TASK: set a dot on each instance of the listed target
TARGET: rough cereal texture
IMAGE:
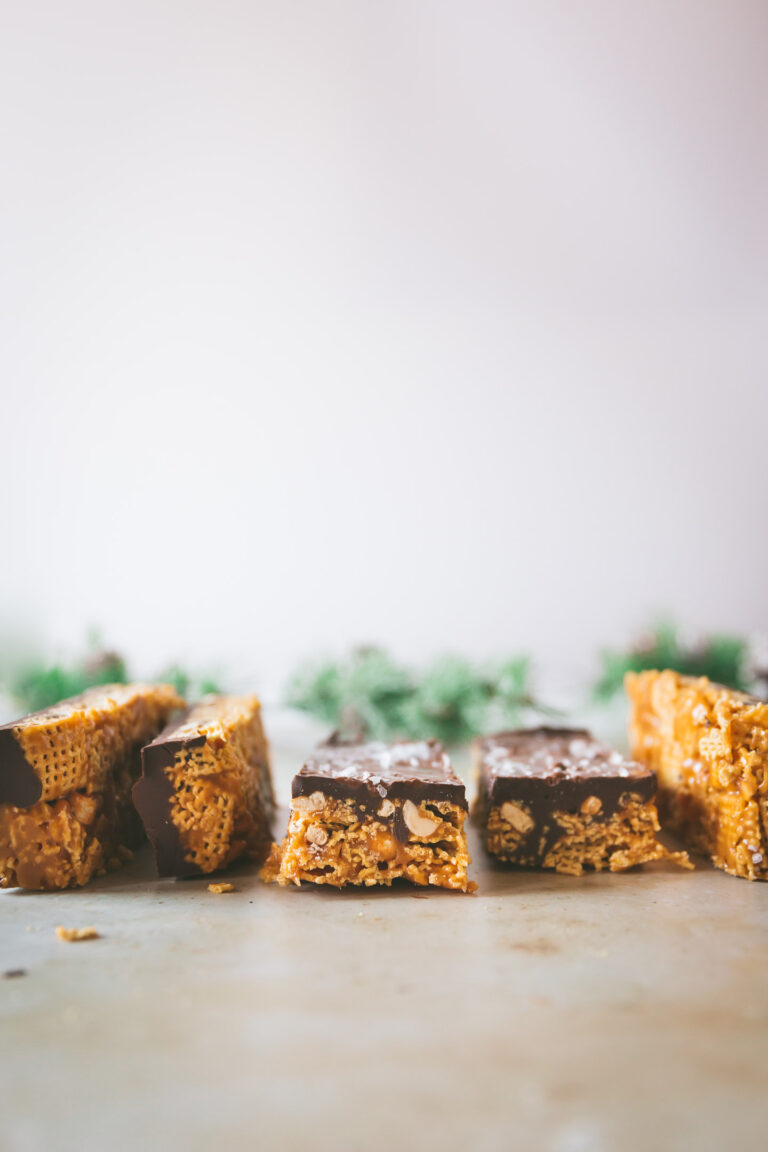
(374, 813)
(65, 781)
(205, 795)
(709, 748)
(557, 798)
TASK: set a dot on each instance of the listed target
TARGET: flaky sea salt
(578, 748)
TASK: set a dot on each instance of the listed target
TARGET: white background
(436, 324)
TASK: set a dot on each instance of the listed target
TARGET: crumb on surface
(12, 973)
(71, 934)
(226, 886)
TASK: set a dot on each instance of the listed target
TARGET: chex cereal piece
(205, 795)
(65, 784)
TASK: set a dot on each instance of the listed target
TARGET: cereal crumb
(76, 933)
(219, 888)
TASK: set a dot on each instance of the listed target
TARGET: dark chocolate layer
(153, 796)
(556, 769)
(19, 783)
(367, 774)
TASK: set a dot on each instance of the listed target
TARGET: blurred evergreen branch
(369, 696)
(723, 659)
(187, 685)
(37, 685)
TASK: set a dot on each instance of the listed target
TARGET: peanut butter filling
(329, 843)
(572, 842)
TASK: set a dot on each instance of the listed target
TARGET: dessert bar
(557, 798)
(709, 748)
(65, 784)
(373, 813)
(205, 795)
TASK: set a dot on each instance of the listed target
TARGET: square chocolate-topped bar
(558, 798)
(373, 813)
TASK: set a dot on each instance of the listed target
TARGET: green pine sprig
(369, 696)
(722, 659)
(38, 685)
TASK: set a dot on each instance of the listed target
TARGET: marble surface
(543, 1013)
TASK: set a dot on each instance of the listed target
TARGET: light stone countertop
(544, 1013)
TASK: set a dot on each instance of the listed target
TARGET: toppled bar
(557, 798)
(709, 748)
(374, 813)
(65, 784)
(205, 795)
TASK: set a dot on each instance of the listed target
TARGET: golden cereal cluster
(709, 748)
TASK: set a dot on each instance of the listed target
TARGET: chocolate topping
(153, 793)
(19, 783)
(555, 769)
(367, 774)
